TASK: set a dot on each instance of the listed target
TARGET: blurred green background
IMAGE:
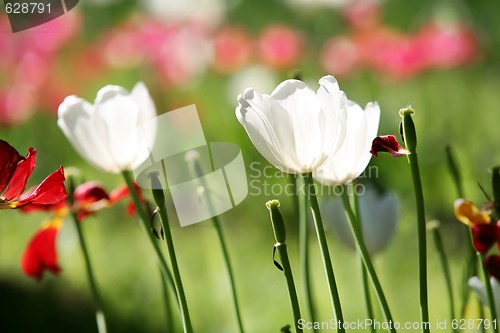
(457, 105)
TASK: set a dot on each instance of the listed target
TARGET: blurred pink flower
(280, 47)
(447, 45)
(122, 47)
(362, 14)
(391, 53)
(233, 49)
(177, 53)
(16, 105)
(27, 63)
(340, 56)
(184, 53)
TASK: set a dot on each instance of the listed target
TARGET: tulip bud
(157, 187)
(409, 132)
(277, 221)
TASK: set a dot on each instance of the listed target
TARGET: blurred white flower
(294, 128)
(327, 3)
(379, 216)
(261, 78)
(479, 288)
(354, 154)
(208, 12)
(107, 133)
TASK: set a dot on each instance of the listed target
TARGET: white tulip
(480, 290)
(354, 155)
(107, 133)
(294, 128)
(379, 216)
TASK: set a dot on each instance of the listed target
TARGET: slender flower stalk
(356, 230)
(280, 246)
(410, 138)
(304, 254)
(471, 262)
(169, 318)
(159, 198)
(443, 259)
(323, 246)
(165, 270)
(198, 173)
(367, 293)
(364, 273)
(489, 292)
(100, 318)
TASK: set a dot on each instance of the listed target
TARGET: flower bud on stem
(280, 246)
(410, 138)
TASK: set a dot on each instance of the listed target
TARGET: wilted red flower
(41, 254)
(89, 197)
(14, 175)
(493, 266)
(388, 144)
(484, 233)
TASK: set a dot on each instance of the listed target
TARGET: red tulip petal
(44, 208)
(50, 191)
(119, 193)
(9, 158)
(484, 236)
(19, 179)
(493, 266)
(41, 254)
(388, 144)
(123, 192)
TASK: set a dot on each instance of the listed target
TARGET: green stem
(304, 255)
(167, 275)
(356, 230)
(225, 254)
(364, 273)
(489, 293)
(471, 268)
(446, 271)
(198, 173)
(100, 319)
(323, 246)
(168, 305)
(186, 321)
(367, 293)
(287, 270)
(422, 240)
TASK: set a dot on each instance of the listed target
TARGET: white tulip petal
(141, 95)
(267, 130)
(120, 115)
(295, 128)
(354, 154)
(479, 288)
(107, 134)
(305, 113)
(75, 118)
(109, 92)
(332, 98)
